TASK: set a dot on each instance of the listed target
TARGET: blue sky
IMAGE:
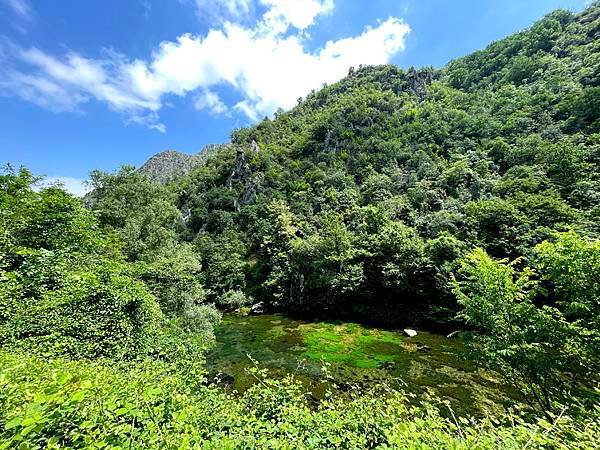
(90, 84)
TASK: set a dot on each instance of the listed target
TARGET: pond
(348, 356)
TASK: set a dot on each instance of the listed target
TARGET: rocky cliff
(170, 164)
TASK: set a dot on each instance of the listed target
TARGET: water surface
(352, 356)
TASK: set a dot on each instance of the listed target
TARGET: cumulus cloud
(63, 85)
(210, 101)
(42, 91)
(265, 65)
(298, 13)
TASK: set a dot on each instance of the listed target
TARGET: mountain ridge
(169, 165)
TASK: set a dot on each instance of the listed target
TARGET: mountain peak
(171, 164)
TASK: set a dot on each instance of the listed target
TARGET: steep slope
(169, 165)
(364, 195)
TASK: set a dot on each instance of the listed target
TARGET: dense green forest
(463, 198)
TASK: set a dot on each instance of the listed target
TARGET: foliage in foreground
(60, 404)
(64, 288)
(537, 327)
(67, 289)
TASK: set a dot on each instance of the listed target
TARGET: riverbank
(146, 404)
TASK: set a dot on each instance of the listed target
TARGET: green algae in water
(354, 355)
(350, 344)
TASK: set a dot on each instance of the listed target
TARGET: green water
(351, 356)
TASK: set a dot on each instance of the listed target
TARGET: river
(339, 356)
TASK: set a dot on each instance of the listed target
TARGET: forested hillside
(363, 196)
(464, 198)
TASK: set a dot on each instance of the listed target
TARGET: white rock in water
(409, 332)
(258, 308)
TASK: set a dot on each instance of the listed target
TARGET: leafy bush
(85, 312)
(543, 340)
(200, 319)
(60, 293)
(173, 276)
(232, 300)
(59, 404)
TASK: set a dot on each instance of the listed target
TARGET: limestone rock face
(242, 175)
(169, 165)
(241, 171)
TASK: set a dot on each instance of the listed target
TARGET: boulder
(258, 308)
(409, 332)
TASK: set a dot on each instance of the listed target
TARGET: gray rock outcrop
(169, 165)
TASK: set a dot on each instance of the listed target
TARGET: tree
(224, 267)
(64, 288)
(326, 265)
(142, 213)
(277, 232)
(536, 348)
(570, 271)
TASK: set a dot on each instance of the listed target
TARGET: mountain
(364, 197)
(464, 199)
(169, 165)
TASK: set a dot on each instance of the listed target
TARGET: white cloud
(265, 65)
(20, 7)
(298, 13)
(63, 85)
(221, 9)
(273, 72)
(147, 8)
(279, 15)
(42, 91)
(210, 100)
(75, 186)
(246, 108)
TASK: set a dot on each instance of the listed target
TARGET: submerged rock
(423, 348)
(388, 365)
(243, 311)
(225, 379)
(219, 379)
(409, 332)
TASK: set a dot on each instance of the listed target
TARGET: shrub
(86, 311)
(62, 404)
(64, 289)
(542, 338)
(232, 300)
